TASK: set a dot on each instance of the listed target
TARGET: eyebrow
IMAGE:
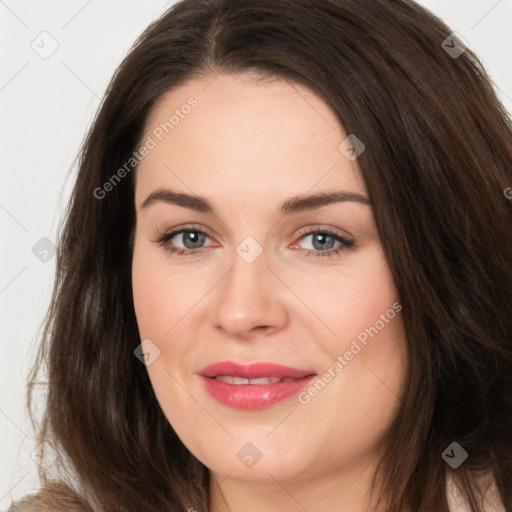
(289, 206)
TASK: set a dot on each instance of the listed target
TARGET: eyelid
(344, 244)
(314, 228)
(169, 233)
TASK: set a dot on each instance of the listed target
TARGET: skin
(247, 146)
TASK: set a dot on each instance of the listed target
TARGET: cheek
(367, 349)
(161, 294)
(159, 302)
(346, 301)
(150, 300)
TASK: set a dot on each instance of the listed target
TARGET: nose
(250, 299)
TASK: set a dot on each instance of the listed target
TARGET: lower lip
(253, 396)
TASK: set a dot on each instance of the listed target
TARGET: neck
(346, 489)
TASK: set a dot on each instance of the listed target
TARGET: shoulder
(35, 505)
(491, 501)
(28, 504)
(54, 497)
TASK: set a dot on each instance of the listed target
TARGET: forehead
(231, 135)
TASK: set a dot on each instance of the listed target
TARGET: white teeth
(265, 380)
(259, 381)
(225, 378)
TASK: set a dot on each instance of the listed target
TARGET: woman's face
(305, 286)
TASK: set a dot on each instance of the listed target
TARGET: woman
(284, 277)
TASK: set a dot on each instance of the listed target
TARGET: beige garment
(458, 503)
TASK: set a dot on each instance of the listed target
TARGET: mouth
(238, 381)
(253, 386)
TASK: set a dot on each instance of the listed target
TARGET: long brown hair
(437, 164)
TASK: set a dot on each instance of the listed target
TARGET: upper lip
(253, 370)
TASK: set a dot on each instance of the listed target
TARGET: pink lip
(253, 396)
(253, 371)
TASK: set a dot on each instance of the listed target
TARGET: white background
(47, 105)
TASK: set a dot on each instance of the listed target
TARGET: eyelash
(345, 243)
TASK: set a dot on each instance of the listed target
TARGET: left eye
(191, 239)
(321, 241)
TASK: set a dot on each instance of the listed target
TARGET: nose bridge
(247, 298)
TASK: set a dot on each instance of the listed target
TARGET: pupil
(322, 239)
(191, 235)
